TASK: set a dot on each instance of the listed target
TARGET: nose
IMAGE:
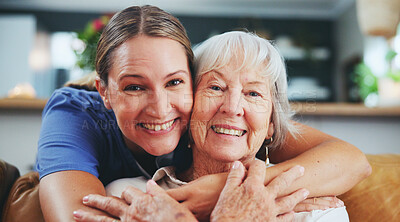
(233, 103)
(158, 105)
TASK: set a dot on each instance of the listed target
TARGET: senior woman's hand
(154, 205)
(251, 200)
(201, 195)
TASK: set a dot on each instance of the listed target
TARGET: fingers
(256, 172)
(288, 203)
(287, 217)
(179, 194)
(112, 205)
(131, 193)
(83, 216)
(235, 176)
(285, 179)
(153, 189)
(318, 203)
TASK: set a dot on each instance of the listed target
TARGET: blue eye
(133, 88)
(254, 94)
(216, 88)
(174, 82)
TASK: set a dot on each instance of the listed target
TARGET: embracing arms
(332, 166)
(61, 194)
(242, 199)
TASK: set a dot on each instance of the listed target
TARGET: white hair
(255, 52)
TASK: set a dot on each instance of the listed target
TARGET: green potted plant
(90, 36)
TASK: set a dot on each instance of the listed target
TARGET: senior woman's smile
(232, 112)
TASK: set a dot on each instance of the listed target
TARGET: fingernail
(236, 165)
(306, 193)
(341, 203)
(301, 169)
(152, 182)
(77, 214)
(85, 199)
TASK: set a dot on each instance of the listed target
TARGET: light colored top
(166, 178)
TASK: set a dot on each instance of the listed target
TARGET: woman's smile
(159, 128)
(228, 130)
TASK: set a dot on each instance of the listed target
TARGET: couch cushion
(23, 201)
(8, 175)
(376, 198)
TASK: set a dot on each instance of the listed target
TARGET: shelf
(22, 104)
(343, 109)
(301, 108)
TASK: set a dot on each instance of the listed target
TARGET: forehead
(236, 69)
(147, 55)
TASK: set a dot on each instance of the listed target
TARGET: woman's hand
(154, 205)
(318, 203)
(200, 196)
(250, 199)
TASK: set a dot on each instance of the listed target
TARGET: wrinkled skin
(201, 195)
(154, 205)
(251, 200)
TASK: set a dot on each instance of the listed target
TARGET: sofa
(376, 198)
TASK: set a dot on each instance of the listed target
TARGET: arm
(61, 193)
(332, 166)
(69, 140)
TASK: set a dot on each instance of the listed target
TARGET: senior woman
(240, 102)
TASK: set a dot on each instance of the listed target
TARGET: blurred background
(341, 56)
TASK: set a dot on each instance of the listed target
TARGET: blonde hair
(255, 52)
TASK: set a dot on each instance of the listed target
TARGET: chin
(161, 148)
(226, 157)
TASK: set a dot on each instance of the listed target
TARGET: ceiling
(310, 9)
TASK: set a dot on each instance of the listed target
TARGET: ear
(102, 89)
(271, 130)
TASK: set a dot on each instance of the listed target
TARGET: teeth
(158, 127)
(227, 131)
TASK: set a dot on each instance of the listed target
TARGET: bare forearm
(61, 193)
(331, 168)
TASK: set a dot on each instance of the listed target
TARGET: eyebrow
(220, 74)
(256, 82)
(141, 77)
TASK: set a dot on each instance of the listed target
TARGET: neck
(146, 160)
(203, 165)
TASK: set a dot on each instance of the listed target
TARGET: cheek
(258, 124)
(201, 115)
(198, 129)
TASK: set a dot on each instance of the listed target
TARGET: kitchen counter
(301, 108)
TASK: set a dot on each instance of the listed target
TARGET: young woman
(135, 121)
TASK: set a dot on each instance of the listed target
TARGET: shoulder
(67, 97)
